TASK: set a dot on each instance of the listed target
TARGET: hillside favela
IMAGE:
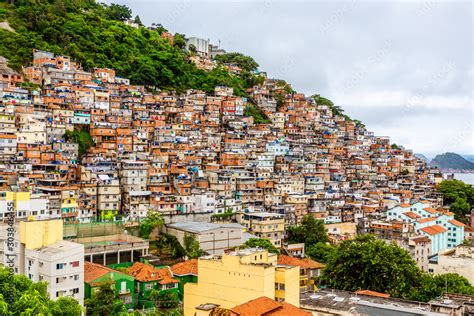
(150, 172)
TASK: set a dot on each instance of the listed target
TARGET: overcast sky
(404, 68)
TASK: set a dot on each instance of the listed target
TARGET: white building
(41, 255)
(213, 238)
(202, 45)
(459, 260)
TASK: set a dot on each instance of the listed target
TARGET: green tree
(244, 62)
(118, 12)
(321, 252)
(310, 231)
(153, 220)
(80, 137)
(258, 116)
(460, 207)
(371, 264)
(30, 298)
(459, 196)
(164, 299)
(261, 243)
(105, 301)
(65, 306)
(191, 246)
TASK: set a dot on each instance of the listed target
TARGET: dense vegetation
(258, 116)
(260, 243)
(310, 231)
(459, 196)
(80, 137)
(368, 263)
(94, 34)
(29, 298)
(246, 63)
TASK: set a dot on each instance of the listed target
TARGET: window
(75, 264)
(59, 266)
(75, 291)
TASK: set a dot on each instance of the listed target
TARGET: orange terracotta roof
(302, 263)
(411, 215)
(93, 271)
(372, 293)
(426, 220)
(146, 273)
(433, 230)
(430, 210)
(266, 306)
(186, 267)
(456, 223)
(449, 214)
(405, 205)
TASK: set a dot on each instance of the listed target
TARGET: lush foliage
(31, 298)
(261, 243)
(258, 116)
(168, 247)
(164, 299)
(191, 246)
(310, 231)
(105, 301)
(80, 137)
(321, 251)
(227, 215)
(93, 34)
(368, 263)
(459, 196)
(244, 62)
(153, 220)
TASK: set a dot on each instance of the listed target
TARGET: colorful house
(148, 278)
(185, 272)
(97, 274)
(309, 271)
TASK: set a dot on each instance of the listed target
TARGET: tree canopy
(153, 220)
(191, 247)
(31, 298)
(244, 62)
(94, 34)
(105, 301)
(370, 264)
(459, 196)
(261, 243)
(310, 231)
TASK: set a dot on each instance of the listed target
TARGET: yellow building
(38, 234)
(238, 277)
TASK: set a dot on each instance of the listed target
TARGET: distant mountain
(421, 156)
(451, 161)
(469, 157)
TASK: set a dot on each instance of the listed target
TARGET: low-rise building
(238, 277)
(213, 238)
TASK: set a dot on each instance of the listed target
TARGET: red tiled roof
(146, 273)
(430, 210)
(302, 263)
(93, 271)
(405, 205)
(426, 220)
(266, 306)
(372, 293)
(456, 223)
(433, 230)
(411, 215)
(185, 268)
